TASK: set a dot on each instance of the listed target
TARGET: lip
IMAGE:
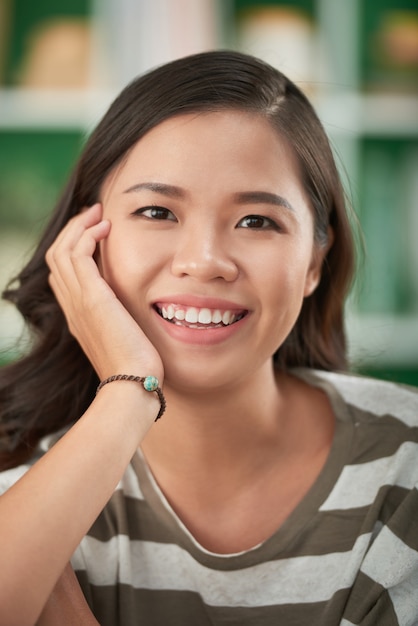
(200, 336)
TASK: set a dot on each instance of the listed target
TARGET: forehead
(229, 146)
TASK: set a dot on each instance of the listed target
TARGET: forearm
(45, 515)
(67, 605)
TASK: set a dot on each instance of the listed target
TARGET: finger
(82, 258)
(61, 295)
(88, 240)
(73, 230)
(87, 218)
(75, 278)
(76, 240)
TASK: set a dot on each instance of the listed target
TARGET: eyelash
(156, 209)
(269, 224)
(160, 213)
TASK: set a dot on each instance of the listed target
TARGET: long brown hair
(54, 383)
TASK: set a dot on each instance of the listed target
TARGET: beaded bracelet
(150, 383)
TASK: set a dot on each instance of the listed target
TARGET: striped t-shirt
(348, 554)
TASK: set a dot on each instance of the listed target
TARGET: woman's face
(211, 247)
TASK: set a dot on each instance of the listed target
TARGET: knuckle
(73, 220)
(75, 256)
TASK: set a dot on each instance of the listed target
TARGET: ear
(313, 276)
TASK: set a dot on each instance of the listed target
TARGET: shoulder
(374, 396)
(376, 438)
(379, 449)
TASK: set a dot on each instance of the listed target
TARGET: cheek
(129, 264)
(285, 272)
(119, 261)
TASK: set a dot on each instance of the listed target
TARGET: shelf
(356, 115)
(350, 114)
(31, 109)
(389, 115)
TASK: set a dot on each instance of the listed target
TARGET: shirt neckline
(280, 543)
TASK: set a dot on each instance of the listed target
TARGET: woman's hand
(107, 333)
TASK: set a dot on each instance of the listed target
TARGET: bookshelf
(351, 59)
(364, 84)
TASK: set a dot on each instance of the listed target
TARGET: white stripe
(377, 396)
(405, 600)
(389, 560)
(345, 622)
(394, 565)
(129, 484)
(168, 567)
(358, 485)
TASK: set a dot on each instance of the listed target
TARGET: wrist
(149, 383)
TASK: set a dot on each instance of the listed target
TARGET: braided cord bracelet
(150, 383)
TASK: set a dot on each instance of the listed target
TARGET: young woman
(203, 240)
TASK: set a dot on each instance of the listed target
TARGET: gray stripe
(378, 437)
(328, 531)
(133, 518)
(404, 522)
(370, 604)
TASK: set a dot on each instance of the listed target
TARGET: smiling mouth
(199, 318)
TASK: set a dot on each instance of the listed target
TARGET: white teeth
(180, 315)
(226, 317)
(205, 316)
(216, 317)
(168, 312)
(193, 315)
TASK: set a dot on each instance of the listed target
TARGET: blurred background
(62, 63)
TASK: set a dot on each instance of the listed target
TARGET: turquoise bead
(151, 383)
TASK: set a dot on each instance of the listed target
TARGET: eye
(258, 222)
(156, 213)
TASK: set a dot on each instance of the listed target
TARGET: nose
(204, 255)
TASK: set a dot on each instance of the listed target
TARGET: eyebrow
(243, 197)
(263, 197)
(167, 190)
